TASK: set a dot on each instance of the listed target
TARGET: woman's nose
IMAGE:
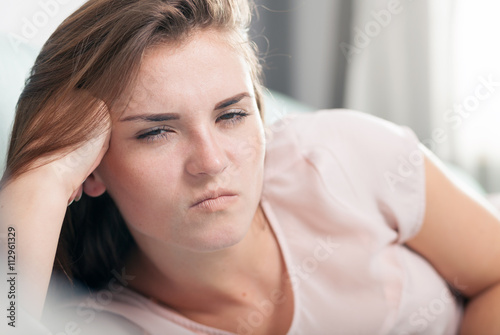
(206, 155)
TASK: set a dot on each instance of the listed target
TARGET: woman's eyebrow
(174, 116)
(231, 101)
(152, 117)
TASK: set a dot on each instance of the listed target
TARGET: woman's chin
(217, 241)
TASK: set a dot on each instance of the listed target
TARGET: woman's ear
(93, 185)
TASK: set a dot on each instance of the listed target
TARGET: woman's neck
(188, 281)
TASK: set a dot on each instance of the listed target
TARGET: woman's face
(185, 161)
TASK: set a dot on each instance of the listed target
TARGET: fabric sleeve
(382, 161)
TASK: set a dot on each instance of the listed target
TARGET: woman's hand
(72, 168)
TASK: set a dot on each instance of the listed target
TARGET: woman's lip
(216, 204)
(212, 194)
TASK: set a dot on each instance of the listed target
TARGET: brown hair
(98, 49)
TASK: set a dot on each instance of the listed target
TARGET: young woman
(188, 216)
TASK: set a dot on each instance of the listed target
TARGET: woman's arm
(34, 205)
(460, 237)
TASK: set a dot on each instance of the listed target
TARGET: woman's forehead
(204, 67)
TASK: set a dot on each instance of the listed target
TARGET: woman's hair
(98, 50)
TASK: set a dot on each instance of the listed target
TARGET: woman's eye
(154, 134)
(232, 117)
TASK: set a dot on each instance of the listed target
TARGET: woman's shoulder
(361, 161)
(351, 137)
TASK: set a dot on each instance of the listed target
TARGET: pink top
(342, 191)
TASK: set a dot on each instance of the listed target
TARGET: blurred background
(431, 65)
